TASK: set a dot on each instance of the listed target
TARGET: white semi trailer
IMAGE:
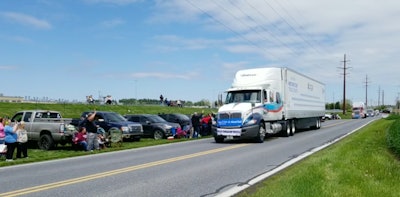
(265, 101)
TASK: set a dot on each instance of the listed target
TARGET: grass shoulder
(360, 165)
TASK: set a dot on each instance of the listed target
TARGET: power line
(302, 28)
(261, 26)
(227, 27)
(287, 23)
(267, 30)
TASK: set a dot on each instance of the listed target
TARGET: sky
(190, 49)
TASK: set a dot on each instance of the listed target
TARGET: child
(22, 139)
(103, 141)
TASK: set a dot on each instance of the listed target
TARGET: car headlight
(167, 126)
(125, 129)
(214, 123)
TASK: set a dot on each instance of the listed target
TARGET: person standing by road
(2, 134)
(196, 124)
(10, 140)
(91, 128)
(22, 140)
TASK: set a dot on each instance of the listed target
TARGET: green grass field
(74, 111)
(360, 165)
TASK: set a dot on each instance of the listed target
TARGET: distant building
(11, 99)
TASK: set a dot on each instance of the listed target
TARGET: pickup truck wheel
(158, 135)
(261, 134)
(46, 142)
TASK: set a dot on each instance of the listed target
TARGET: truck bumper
(131, 136)
(236, 133)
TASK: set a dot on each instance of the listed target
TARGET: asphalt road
(192, 168)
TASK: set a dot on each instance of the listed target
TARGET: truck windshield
(156, 118)
(114, 117)
(244, 96)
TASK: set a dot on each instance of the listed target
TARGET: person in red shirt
(206, 125)
(80, 138)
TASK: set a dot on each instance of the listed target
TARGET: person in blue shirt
(10, 140)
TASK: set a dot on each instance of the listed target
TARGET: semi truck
(358, 110)
(266, 101)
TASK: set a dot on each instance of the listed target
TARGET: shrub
(393, 135)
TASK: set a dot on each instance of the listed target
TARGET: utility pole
(344, 83)
(379, 96)
(366, 91)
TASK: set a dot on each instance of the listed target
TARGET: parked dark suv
(111, 120)
(154, 126)
(181, 119)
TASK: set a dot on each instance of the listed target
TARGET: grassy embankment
(74, 111)
(360, 165)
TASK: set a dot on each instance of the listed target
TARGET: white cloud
(163, 75)
(116, 2)
(8, 67)
(26, 20)
(112, 23)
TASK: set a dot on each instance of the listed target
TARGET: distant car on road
(370, 113)
(328, 116)
(154, 126)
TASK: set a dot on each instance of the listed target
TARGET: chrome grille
(135, 128)
(230, 115)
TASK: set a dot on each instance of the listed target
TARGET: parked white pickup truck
(46, 127)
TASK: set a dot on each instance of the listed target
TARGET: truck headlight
(249, 121)
(124, 129)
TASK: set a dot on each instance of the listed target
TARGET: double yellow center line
(114, 172)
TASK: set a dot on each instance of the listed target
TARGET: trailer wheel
(293, 127)
(261, 134)
(46, 142)
(318, 123)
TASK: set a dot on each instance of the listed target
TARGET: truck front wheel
(46, 142)
(219, 139)
(261, 134)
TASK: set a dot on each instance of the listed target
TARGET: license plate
(229, 132)
(229, 137)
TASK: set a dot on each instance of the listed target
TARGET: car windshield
(114, 117)
(182, 116)
(156, 119)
